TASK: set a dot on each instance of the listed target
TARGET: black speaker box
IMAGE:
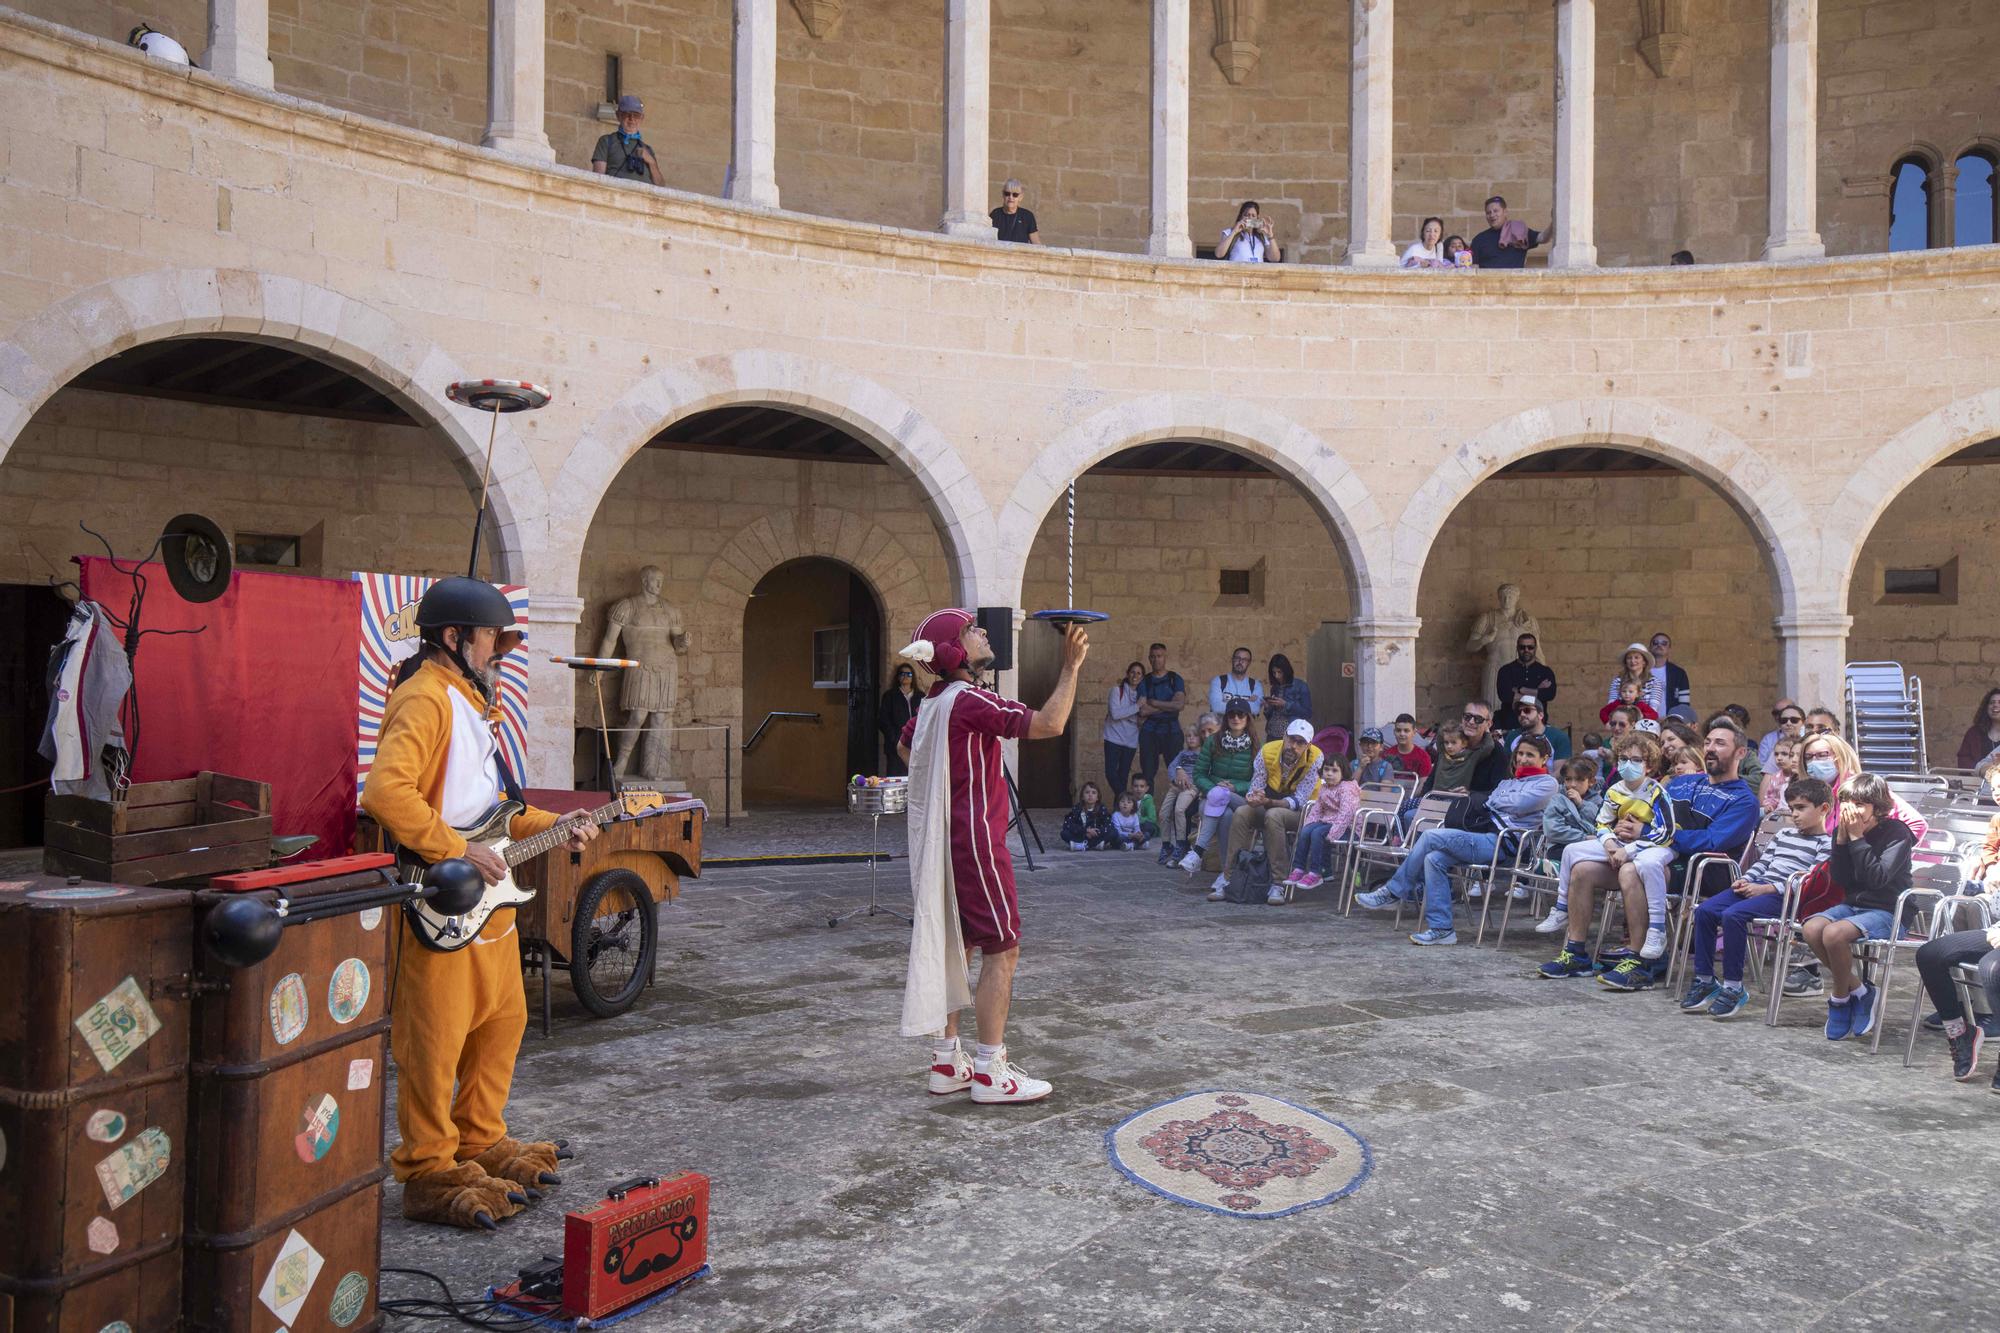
(998, 622)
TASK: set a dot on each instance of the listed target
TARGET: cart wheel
(611, 945)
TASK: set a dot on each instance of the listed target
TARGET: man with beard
(1527, 672)
(961, 878)
(459, 1015)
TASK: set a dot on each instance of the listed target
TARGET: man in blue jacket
(1714, 812)
(1511, 808)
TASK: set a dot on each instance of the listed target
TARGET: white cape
(937, 986)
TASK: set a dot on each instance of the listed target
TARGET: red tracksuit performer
(961, 877)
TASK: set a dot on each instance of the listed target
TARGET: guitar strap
(507, 781)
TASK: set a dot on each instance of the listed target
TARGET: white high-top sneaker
(1553, 922)
(1003, 1082)
(950, 1076)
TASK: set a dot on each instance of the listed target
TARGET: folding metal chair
(1525, 873)
(1885, 717)
(1929, 886)
(1680, 908)
(1501, 874)
(1374, 825)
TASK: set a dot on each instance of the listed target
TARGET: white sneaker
(1474, 892)
(1656, 943)
(1553, 922)
(1192, 861)
(1276, 897)
(951, 1076)
(1217, 890)
(1003, 1082)
(1518, 893)
(1079, 846)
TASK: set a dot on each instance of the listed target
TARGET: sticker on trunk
(135, 1165)
(75, 893)
(360, 1074)
(101, 1235)
(319, 1125)
(116, 1326)
(291, 1277)
(347, 993)
(105, 1126)
(348, 1298)
(119, 1024)
(370, 917)
(288, 1008)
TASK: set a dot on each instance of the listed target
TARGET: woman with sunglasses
(1791, 720)
(899, 704)
(1013, 222)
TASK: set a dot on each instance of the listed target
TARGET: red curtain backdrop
(266, 691)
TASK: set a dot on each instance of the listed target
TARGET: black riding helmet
(464, 604)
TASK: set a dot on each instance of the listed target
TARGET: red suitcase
(649, 1233)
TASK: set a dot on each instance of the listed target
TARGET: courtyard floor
(1546, 1155)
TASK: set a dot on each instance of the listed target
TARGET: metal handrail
(771, 717)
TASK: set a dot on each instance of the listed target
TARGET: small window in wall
(1919, 585)
(1910, 207)
(830, 658)
(1976, 215)
(1240, 587)
(268, 550)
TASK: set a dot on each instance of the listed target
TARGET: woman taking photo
(1249, 240)
(1121, 730)
(899, 704)
(1427, 251)
(1285, 698)
(1984, 734)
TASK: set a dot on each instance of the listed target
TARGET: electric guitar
(448, 934)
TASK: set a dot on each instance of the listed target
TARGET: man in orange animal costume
(458, 1016)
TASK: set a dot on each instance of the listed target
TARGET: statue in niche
(653, 637)
(1494, 634)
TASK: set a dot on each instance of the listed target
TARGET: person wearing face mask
(623, 153)
(1634, 815)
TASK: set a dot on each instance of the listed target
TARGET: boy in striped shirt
(1759, 893)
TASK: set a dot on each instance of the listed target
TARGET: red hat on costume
(936, 647)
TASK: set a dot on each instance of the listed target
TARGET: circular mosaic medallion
(1240, 1153)
(347, 993)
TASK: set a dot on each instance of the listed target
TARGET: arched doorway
(308, 463)
(1607, 546)
(812, 660)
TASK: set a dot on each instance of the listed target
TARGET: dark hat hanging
(197, 557)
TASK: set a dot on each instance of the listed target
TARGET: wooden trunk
(142, 1294)
(93, 1099)
(659, 847)
(203, 825)
(316, 1273)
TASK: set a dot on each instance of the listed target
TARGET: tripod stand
(1021, 822)
(874, 802)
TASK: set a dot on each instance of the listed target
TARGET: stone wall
(1681, 159)
(715, 525)
(378, 497)
(1948, 515)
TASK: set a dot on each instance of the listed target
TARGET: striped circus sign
(389, 635)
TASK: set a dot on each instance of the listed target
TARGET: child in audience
(1759, 893)
(1088, 827)
(1784, 772)
(1406, 756)
(1326, 822)
(1572, 815)
(1686, 763)
(1635, 820)
(1373, 767)
(1125, 825)
(1870, 865)
(1142, 805)
(1180, 799)
(1599, 753)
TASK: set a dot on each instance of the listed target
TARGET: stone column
(1794, 131)
(1812, 656)
(516, 54)
(968, 56)
(753, 143)
(1385, 668)
(1169, 238)
(1576, 135)
(239, 41)
(552, 711)
(1371, 135)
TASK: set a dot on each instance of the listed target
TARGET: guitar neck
(549, 839)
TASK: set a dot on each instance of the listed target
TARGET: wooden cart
(587, 916)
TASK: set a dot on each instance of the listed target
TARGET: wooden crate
(208, 824)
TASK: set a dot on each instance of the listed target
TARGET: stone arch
(1744, 480)
(892, 573)
(51, 349)
(811, 388)
(1333, 489)
(1891, 470)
